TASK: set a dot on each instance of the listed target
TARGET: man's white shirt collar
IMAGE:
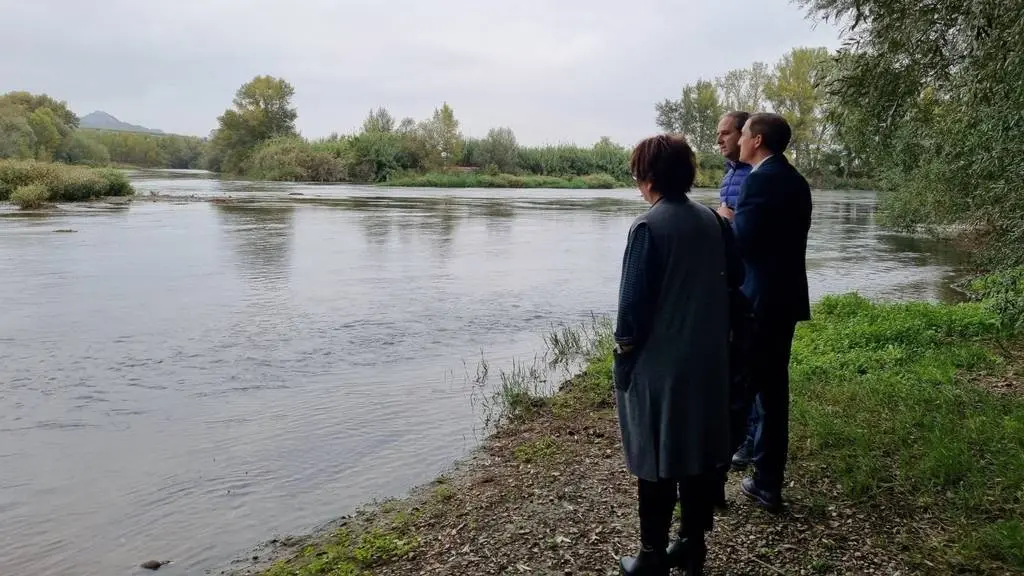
(758, 165)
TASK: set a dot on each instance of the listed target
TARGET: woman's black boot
(676, 553)
(696, 554)
(648, 562)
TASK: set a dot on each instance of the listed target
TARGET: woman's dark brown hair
(667, 162)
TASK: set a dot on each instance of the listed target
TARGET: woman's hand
(623, 362)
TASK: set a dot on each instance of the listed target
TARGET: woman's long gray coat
(672, 390)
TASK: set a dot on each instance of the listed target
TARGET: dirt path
(553, 497)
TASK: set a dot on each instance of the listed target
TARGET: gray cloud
(553, 70)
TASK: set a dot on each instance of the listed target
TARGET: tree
(375, 155)
(267, 102)
(50, 121)
(931, 95)
(796, 91)
(17, 140)
(442, 135)
(262, 111)
(695, 114)
(66, 120)
(44, 125)
(379, 120)
(407, 125)
(743, 88)
(80, 149)
(612, 159)
(500, 149)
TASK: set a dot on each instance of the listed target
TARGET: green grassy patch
(880, 404)
(540, 450)
(520, 393)
(348, 553)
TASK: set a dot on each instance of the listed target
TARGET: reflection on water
(183, 380)
(260, 237)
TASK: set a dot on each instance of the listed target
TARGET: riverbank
(478, 180)
(31, 184)
(907, 457)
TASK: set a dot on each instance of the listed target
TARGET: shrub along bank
(31, 183)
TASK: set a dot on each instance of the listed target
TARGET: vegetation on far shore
(256, 138)
(38, 127)
(31, 184)
(478, 180)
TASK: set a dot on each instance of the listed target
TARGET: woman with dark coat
(671, 358)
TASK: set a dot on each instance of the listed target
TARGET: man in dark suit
(773, 216)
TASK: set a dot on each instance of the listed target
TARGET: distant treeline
(256, 138)
(149, 150)
(37, 127)
(796, 88)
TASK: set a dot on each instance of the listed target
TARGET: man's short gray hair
(739, 117)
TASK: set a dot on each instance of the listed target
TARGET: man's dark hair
(738, 117)
(667, 162)
(773, 129)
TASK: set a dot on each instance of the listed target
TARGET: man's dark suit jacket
(773, 216)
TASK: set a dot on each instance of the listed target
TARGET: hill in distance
(100, 120)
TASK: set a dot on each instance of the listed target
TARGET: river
(183, 379)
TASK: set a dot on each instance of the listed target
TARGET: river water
(184, 379)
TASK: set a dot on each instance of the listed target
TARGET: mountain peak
(101, 120)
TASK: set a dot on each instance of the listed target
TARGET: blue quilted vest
(730, 191)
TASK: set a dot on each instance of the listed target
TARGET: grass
(443, 493)
(62, 182)
(518, 394)
(539, 450)
(882, 404)
(351, 552)
(568, 345)
(480, 180)
(582, 351)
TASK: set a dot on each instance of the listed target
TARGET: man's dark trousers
(769, 378)
(773, 217)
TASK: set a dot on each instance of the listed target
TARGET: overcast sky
(552, 70)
